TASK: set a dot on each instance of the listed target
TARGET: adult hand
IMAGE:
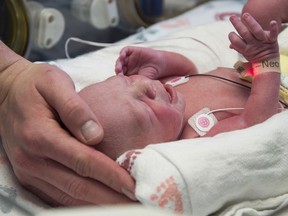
(45, 157)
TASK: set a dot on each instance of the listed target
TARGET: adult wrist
(11, 65)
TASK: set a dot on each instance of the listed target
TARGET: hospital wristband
(265, 66)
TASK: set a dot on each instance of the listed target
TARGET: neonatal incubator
(38, 29)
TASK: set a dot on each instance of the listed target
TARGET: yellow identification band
(247, 71)
(269, 65)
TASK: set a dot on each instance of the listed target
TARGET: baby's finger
(122, 61)
(274, 31)
(242, 30)
(237, 42)
(119, 66)
(254, 27)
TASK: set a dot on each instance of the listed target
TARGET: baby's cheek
(172, 123)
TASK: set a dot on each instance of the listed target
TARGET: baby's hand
(253, 42)
(138, 60)
(121, 62)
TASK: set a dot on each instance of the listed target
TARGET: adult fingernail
(90, 130)
(129, 194)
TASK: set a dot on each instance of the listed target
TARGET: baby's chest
(222, 99)
(212, 93)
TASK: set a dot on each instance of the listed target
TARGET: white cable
(224, 109)
(91, 43)
(141, 31)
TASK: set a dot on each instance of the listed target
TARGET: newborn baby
(140, 109)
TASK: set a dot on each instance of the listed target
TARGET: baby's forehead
(117, 95)
(116, 79)
(112, 86)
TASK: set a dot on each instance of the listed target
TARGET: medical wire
(283, 105)
(142, 31)
(219, 77)
(224, 109)
(91, 43)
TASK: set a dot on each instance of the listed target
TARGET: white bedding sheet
(243, 172)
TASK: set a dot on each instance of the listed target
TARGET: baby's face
(135, 111)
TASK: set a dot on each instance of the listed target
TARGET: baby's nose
(146, 86)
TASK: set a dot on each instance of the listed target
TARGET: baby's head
(134, 112)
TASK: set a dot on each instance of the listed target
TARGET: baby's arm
(154, 64)
(261, 49)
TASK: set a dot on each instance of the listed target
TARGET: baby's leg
(138, 60)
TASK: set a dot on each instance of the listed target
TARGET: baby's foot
(138, 60)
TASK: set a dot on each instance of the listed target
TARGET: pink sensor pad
(178, 81)
(202, 121)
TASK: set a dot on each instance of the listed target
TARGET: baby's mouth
(171, 92)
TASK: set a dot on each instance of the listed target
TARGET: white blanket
(233, 173)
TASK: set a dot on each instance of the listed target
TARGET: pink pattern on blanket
(226, 15)
(128, 162)
(168, 191)
(176, 23)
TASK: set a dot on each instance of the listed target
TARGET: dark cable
(228, 80)
(219, 77)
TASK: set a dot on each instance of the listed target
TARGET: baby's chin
(180, 107)
(180, 104)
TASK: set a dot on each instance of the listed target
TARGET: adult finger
(52, 195)
(73, 111)
(58, 185)
(120, 64)
(274, 31)
(31, 172)
(83, 160)
(75, 187)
